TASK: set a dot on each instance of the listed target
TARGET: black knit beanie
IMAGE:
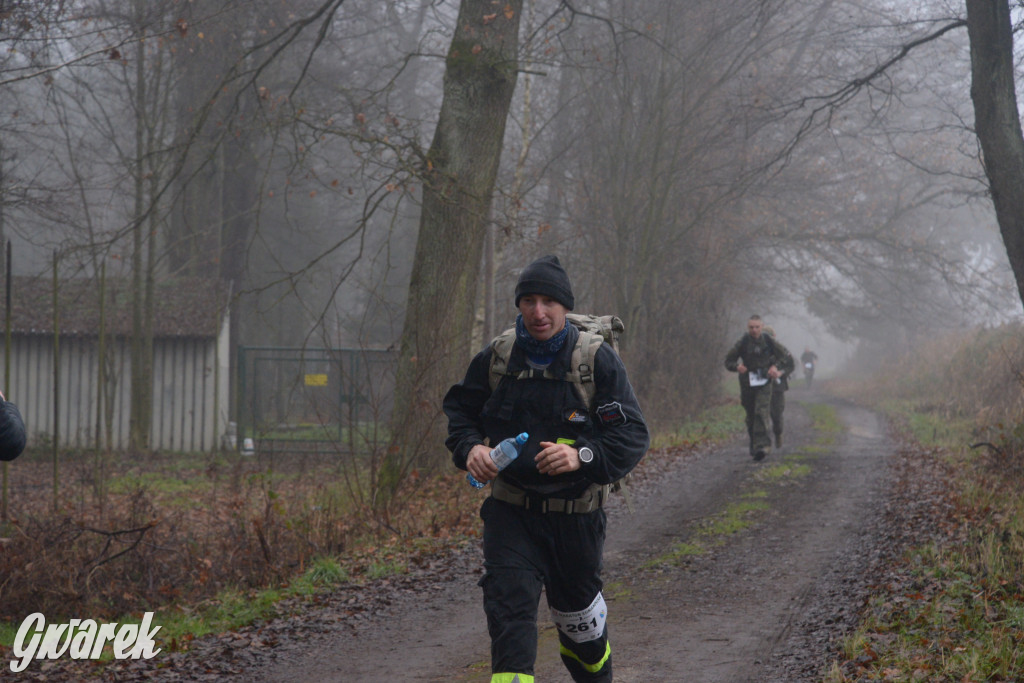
(546, 276)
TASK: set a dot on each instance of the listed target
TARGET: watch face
(586, 455)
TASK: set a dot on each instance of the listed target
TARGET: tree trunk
(461, 168)
(997, 121)
(141, 380)
(194, 244)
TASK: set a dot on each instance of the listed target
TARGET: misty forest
(372, 175)
(351, 187)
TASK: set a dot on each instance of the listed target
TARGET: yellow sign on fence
(316, 380)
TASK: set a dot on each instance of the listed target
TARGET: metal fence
(319, 400)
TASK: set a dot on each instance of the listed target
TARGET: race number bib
(587, 624)
(757, 379)
(808, 365)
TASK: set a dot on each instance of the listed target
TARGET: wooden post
(56, 384)
(7, 363)
(101, 355)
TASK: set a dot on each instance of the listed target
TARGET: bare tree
(997, 120)
(459, 172)
(663, 147)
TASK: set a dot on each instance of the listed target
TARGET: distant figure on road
(780, 386)
(12, 430)
(756, 357)
(544, 524)
(808, 358)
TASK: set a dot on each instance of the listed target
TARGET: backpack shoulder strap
(581, 364)
(581, 370)
(501, 351)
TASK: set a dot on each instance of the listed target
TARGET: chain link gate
(313, 400)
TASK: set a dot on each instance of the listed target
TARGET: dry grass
(955, 611)
(182, 529)
(978, 375)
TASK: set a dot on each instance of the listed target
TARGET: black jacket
(12, 431)
(758, 354)
(549, 410)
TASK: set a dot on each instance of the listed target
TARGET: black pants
(757, 405)
(526, 551)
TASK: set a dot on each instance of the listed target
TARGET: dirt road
(727, 571)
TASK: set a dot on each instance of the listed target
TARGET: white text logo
(81, 639)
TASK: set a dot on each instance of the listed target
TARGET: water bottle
(503, 454)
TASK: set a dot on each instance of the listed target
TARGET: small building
(191, 350)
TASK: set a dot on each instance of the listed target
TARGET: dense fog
(690, 163)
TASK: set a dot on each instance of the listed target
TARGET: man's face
(543, 316)
(754, 328)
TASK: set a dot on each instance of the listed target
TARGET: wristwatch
(586, 455)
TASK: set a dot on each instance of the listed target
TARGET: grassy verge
(232, 609)
(208, 543)
(954, 610)
(713, 425)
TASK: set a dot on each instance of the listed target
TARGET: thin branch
(836, 99)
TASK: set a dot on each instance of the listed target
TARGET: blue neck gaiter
(539, 352)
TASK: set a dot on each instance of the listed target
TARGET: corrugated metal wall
(190, 393)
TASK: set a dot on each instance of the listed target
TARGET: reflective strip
(592, 668)
(511, 678)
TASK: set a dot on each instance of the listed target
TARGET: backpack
(595, 330)
(783, 380)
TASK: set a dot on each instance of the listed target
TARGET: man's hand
(773, 373)
(557, 458)
(480, 465)
(741, 368)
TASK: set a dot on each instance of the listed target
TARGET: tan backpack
(595, 330)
